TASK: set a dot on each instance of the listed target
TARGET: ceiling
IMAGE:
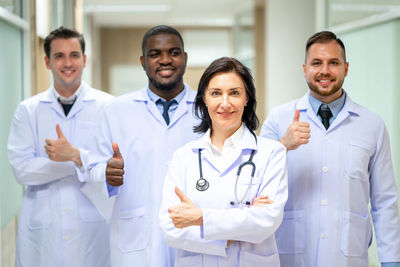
(196, 13)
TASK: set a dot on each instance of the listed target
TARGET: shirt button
(324, 202)
(326, 137)
(325, 169)
(322, 235)
(66, 237)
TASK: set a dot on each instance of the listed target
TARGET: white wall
(289, 24)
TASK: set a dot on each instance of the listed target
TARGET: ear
(186, 57)
(47, 61)
(142, 61)
(84, 60)
(346, 69)
(304, 69)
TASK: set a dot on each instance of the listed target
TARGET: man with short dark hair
(339, 162)
(137, 135)
(47, 147)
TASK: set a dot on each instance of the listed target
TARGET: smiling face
(164, 61)
(225, 98)
(66, 63)
(325, 70)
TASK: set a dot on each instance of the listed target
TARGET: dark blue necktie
(325, 112)
(66, 106)
(166, 105)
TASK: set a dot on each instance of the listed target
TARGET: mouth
(225, 114)
(68, 72)
(165, 72)
(325, 82)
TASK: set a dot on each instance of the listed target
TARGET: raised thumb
(180, 194)
(59, 132)
(115, 148)
(296, 115)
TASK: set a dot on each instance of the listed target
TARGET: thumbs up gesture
(186, 213)
(61, 150)
(297, 134)
(115, 168)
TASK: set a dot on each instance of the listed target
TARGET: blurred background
(269, 36)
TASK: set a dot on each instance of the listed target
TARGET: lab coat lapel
(84, 96)
(206, 155)
(50, 98)
(248, 143)
(143, 96)
(183, 105)
(348, 108)
(304, 104)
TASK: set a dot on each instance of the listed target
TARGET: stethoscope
(202, 184)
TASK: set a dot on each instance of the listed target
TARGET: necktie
(66, 106)
(166, 105)
(325, 112)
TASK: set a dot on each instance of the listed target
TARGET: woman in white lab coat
(207, 211)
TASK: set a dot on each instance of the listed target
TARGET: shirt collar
(335, 106)
(153, 97)
(67, 100)
(234, 141)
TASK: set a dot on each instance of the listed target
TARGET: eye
(235, 92)
(176, 52)
(316, 63)
(153, 54)
(76, 55)
(335, 63)
(215, 93)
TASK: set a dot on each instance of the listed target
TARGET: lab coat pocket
(356, 233)
(248, 259)
(40, 216)
(290, 236)
(359, 156)
(87, 212)
(133, 231)
(245, 184)
(192, 261)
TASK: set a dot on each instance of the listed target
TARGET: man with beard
(137, 135)
(339, 161)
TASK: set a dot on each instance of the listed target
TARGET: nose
(165, 58)
(225, 101)
(67, 62)
(324, 68)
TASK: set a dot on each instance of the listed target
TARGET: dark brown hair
(223, 65)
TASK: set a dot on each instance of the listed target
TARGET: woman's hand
(261, 201)
(186, 213)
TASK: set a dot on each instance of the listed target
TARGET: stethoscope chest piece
(202, 184)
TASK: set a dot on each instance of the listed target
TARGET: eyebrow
(234, 88)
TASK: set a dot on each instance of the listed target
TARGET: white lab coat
(58, 226)
(146, 143)
(332, 181)
(253, 227)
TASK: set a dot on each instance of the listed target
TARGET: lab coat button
(322, 235)
(65, 209)
(66, 237)
(326, 137)
(325, 169)
(324, 202)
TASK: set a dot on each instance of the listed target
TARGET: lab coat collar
(349, 108)
(85, 95)
(183, 105)
(247, 140)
